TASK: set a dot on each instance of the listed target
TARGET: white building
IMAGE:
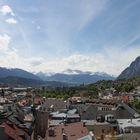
(129, 125)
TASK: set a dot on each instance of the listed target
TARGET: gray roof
(130, 110)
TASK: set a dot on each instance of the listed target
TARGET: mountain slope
(19, 81)
(132, 71)
(76, 76)
(5, 72)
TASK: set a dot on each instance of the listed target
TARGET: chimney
(63, 130)
(51, 132)
(41, 123)
(92, 135)
(84, 124)
(65, 137)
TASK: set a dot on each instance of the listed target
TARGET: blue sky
(54, 35)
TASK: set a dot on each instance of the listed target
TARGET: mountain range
(132, 71)
(15, 72)
(75, 76)
(19, 81)
(65, 78)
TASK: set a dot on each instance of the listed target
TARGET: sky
(55, 35)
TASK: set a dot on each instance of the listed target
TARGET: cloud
(7, 10)
(112, 61)
(35, 61)
(11, 21)
(4, 42)
(10, 57)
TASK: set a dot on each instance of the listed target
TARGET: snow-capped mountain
(75, 76)
(72, 72)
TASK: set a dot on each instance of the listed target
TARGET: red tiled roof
(125, 98)
(72, 131)
(12, 132)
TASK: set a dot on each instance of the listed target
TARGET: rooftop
(73, 131)
(125, 123)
